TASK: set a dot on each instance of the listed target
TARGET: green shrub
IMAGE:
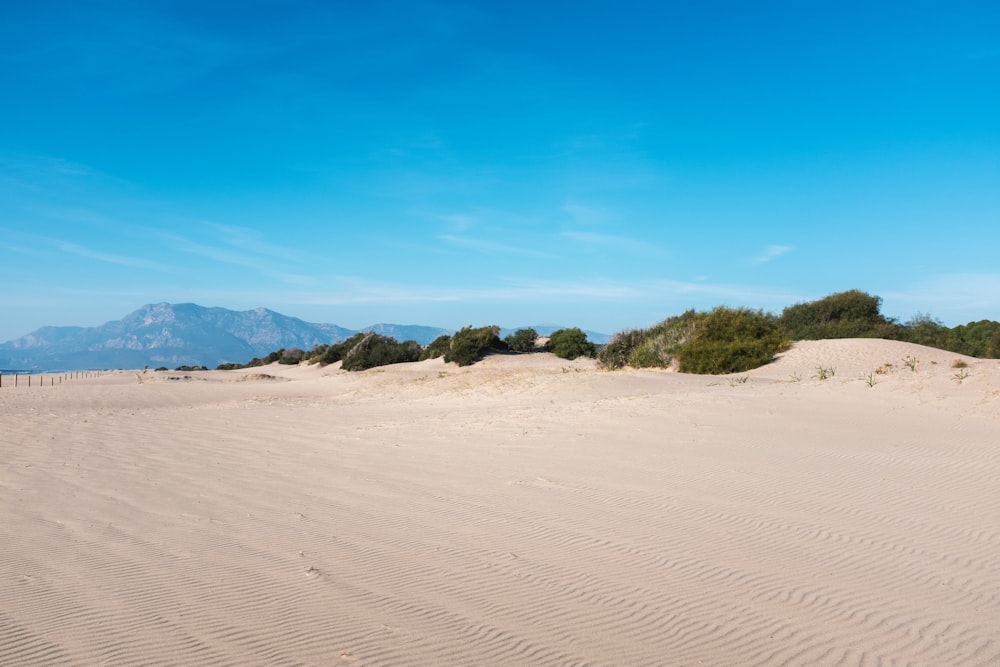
(336, 352)
(469, 345)
(228, 366)
(724, 340)
(731, 340)
(616, 352)
(655, 347)
(924, 330)
(263, 361)
(522, 340)
(851, 314)
(315, 355)
(291, 356)
(437, 348)
(377, 350)
(570, 344)
(976, 339)
(651, 353)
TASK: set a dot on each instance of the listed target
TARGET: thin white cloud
(109, 258)
(613, 241)
(493, 248)
(587, 214)
(771, 252)
(244, 247)
(957, 298)
(251, 240)
(353, 290)
(458, 222)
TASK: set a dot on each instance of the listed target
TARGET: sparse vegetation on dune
(730, 340)
(723, 340)
(856, 314)
(720, 341)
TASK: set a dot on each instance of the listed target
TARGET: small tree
(570, 344)
(522, 340)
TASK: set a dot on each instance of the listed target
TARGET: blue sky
(590, 164)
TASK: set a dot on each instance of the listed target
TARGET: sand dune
(525, 510)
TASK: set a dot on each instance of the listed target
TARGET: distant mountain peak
(165, 334)
(186, 334)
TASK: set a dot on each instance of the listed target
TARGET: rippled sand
(526, 510)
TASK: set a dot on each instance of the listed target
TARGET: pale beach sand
(523, 511)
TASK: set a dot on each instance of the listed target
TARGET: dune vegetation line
(717, 341)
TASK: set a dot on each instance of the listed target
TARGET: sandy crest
(525, 510)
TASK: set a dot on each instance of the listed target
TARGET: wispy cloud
(587, 214)
(613, 241)
(484, 217)
(251, 240)
(46, 177)
(244, 247)
(109, 258)
(771, 252)
(355, 290)
(956, 297)
(457, 222)
(493, 247)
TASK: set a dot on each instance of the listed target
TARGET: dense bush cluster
(437, 348)
(655, 347)
(851, 314)
(336, 352)
(855, 314)
(522, 340)
(468, 345)
(723, 340)
(730, 340)
(976, 339)
(570, 344)
(377, 350)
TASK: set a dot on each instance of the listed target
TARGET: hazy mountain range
(187, 334)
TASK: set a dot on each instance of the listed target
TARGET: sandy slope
(526, 510)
